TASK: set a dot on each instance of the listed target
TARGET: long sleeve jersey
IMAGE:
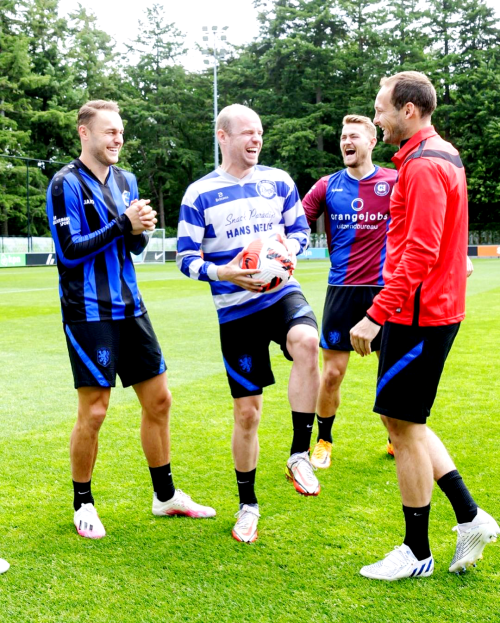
(93, 243)
(220, 215)
(425, 268)
(356, 224)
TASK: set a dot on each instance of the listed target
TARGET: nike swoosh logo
(158, 255)
(417, 514)
(309, 426)
(245, 482)
(83, 492)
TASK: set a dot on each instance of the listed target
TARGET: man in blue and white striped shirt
(220, 215)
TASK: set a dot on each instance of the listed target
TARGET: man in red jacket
(420, 308)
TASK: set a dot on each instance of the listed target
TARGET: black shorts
(245, 342)
(411, 362)
(98, 351)
(345, 306)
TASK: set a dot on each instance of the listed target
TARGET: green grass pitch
(305, 565)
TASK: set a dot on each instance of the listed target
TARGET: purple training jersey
(356, 223)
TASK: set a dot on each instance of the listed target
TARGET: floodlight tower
(216, 53)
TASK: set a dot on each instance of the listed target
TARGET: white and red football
(270, 257)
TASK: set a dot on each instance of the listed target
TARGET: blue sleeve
(74, 243)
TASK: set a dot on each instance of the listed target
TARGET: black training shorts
(98, 351)
(245, 342)
(345, 306)
(411, 362)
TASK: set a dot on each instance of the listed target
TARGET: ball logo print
(271, 258)
(382, 189)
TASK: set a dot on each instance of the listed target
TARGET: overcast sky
(119, 19)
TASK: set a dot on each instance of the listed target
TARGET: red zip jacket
(425, 267)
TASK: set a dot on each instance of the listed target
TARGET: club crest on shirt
(246, 363)
(381, 189)
(266, 189)
(103, 357)
(334, 337)
(126, 197)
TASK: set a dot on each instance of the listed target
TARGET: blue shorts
(409, 370)
(98, 351)
(245, 342)
(344, 307)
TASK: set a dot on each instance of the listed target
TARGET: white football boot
(245, 529)
(300, 471)
(472, 537)
(181, 504)
(87, 522)
(398, 564)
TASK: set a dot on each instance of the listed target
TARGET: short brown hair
(414, 87)
(89, 110)
(366, 121)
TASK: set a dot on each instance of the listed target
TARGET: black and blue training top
(93, 242)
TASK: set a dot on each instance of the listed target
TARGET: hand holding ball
(271, 258)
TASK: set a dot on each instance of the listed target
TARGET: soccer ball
(271, 257)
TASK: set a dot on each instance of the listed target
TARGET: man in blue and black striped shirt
(97, 220)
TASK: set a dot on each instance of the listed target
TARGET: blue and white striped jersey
(221, 214)
(93, 242)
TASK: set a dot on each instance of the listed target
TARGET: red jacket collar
(400, 156)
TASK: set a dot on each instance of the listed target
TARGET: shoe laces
(308, 466)
(320, 448)
(183, 497)
(398, 555)
(246, 515)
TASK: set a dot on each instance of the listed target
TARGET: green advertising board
(12, 259)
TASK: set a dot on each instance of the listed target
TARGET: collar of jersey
(79, 164)
(367, 176)
(237, 180)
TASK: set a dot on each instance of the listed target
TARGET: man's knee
(246, 414)
(332, 377)
(158, 407)
(303, 345)
(402, 432)
(92, 409)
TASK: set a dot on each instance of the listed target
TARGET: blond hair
(365, 121)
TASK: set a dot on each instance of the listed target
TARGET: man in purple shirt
(355, 202)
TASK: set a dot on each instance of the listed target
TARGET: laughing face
(389, 119)
(356, 145)
(242, 144)
(103, 138)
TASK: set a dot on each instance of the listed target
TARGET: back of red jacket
(425, 268)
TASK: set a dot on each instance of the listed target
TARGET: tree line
(313, 62)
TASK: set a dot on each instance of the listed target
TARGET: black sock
(163, 484)
(325, 428)
(82, 494)
(302, 429)
(417, 531)
(246, 486)
(454, 488)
